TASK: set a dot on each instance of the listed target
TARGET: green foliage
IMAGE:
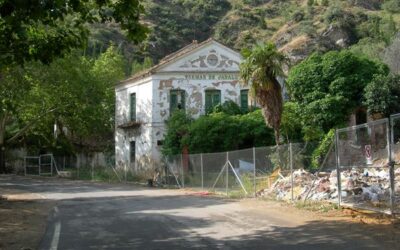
(176, 23)
(291, 127)
(392, 6)
(45, 30)
(177, 127)
(75, 92)
(216, 132)
(137, 67)
(329, 87)
(382, 95)
(322, 150)
(338, 17)
(229, 107)
(262, 65)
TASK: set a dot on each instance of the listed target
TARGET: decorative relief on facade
(211, 60)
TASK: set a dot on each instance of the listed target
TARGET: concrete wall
(142, 134)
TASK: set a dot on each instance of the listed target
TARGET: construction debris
(359, 185)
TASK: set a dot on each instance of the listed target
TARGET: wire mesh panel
(395, 146)
(364, 145)
(174, 170)
(241, 172)
(46, 164)
(363, 157)
(273, 171)
(194, 171)
(32, 165)
(213, 164)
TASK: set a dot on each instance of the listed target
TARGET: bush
(322, 150)
(229, 107)
(220, 132)
(382, 95)
(392, 6)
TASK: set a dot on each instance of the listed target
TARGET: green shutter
(173, 101)
(216, 98)
(133, 107)
(183, 101)
(208, 105)
(244, 100)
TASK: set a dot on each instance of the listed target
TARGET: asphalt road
(103, 216)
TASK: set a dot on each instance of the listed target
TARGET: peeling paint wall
(211, 67)
(141, 135)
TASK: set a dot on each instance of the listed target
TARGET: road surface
(105, 216)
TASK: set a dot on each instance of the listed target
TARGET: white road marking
(56, 236)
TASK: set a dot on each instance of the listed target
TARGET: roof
(169, 58)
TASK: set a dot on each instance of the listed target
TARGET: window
(213, 98)
(244, 100)
(132, 152)
(132, 111)
(177, 100)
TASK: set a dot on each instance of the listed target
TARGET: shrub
(229, 107)
(322, 150)
(392, 6)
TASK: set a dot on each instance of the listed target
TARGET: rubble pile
(358, 186)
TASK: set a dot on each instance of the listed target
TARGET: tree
(382, 95)
(78, 91)
(329, 87)
(260, 69)
(43, 31)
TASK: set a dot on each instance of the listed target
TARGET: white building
(195, 78)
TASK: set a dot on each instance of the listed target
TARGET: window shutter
(208, 101)
(133, 107)
(216, 98)
(183, 100)
(173, 101)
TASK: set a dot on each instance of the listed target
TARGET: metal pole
(254, 172)
(339, 184)
(40, 164)
(390, 140)
(237, 177)
(201, 171)
(227, 172)
(291, 169)
(25, 165)
(183, 172)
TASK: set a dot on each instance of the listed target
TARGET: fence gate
(40, 165)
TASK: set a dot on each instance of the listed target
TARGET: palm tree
(262, 65)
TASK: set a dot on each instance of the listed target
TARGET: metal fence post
(40, 164)
(291, 169)
(227, 172)
(339, 182)
(390, 140)
(201, 171)
(182, 172)
(254, 172)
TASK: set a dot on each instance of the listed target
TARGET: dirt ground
(23, 223)
(24, 215)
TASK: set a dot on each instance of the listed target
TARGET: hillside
(298, 27)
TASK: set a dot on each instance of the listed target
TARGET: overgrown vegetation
(216, 132)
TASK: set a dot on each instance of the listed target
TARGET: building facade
(194, 79)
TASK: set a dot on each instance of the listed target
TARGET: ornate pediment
(211, 60)
(210, 56)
